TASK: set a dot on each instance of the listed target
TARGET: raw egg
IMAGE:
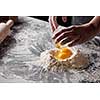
(58, 45)
(63, 53)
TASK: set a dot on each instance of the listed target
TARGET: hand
(75, 35)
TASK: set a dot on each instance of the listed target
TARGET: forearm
(95, 24)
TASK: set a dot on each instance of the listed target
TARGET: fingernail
(53, 37)
(56, 41)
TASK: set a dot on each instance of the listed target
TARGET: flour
(78, 61)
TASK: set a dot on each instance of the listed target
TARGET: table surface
(20, 51)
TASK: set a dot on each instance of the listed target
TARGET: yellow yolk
(58, 45)
(63, 53)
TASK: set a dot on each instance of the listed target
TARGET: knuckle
(63, 30)
(64, 35)
(73, 27)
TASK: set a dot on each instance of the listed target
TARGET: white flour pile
(78, 61)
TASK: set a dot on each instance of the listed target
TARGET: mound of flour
(48, 62)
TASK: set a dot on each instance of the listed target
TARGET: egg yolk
(58, 45)
(63, 53)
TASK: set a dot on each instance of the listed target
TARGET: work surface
(20, 51)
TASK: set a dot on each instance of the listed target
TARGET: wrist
(90, 29)
(93, 28)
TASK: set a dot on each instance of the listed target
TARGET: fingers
(66, 30)
(75, 42)
(53, 22)
(69, 36)
(63, 36)
(52, 27)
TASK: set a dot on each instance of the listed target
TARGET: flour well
(78, 61)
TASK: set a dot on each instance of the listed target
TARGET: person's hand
(53, 22)
(74, 35)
